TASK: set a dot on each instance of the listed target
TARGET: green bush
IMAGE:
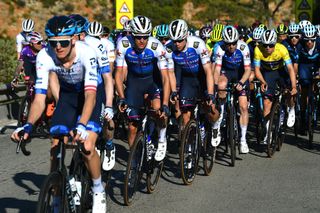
(8, 60)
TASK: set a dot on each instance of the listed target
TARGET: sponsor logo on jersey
(154, 45)
(93, 61)
(168, 50)
(125, 43)
(92, 74)
(242, 46)
(196, 44)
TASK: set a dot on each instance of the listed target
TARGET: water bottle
(149, 148)
(202, 132)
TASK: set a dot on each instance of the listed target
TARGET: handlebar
(21, 145)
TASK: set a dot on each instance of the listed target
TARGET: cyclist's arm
(18, 68)
(37, 107)
(121, 70)
(89, 103)
(247, 64)
(292, 75)
(219, 53)
(108, 86)
(54, 85)
(209, 77)
(257, 63)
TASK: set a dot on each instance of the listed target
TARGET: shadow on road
(22, 179)
(23, 206)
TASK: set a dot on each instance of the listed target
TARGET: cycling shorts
(272, 77)
(234, 77)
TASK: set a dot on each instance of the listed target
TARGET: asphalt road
(288, 182)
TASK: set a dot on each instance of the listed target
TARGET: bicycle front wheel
(209, 153)
(273, 129)
(231, 135)
(188, 152)
(133, 171)
(52, 188)
(153, 174)
(24, 111)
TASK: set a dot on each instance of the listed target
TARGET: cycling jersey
(110, 49)
(141, 65)
(29, 62)
(293, 50)
(214, 51)
(237, 61)
(310, 56)
(81, 76)
(276, 61)
(21, 41)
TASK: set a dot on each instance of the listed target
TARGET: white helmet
(257, 33)
(27, 25)
(318, 29)
(178, 29)
(126, 25)
(95, 29)
(230, 34)
(141, 25)
(269, 37)
(309, 31)
(294, 29)
(304, 23)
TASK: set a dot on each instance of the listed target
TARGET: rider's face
(180, 44)
(231, 47)
(141, 41)
(62, 45)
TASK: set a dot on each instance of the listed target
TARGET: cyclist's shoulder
(154, 44)
(124, 43)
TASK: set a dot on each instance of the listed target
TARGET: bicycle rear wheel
(52, 184)
(273, 129)
(188, 152)
(209, 153)
(133, 171)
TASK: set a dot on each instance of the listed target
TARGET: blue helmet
(163, 30)
(60, 26)
(81, 22)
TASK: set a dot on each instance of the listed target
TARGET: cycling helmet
(205, 33)
(178, 29)
(294, 29)
(81, 22)
(282, 29)
(257, 33)
(141, 25)
(155, 30)
(163, 30)
(269, 37)
(60, 26)
(126, 25)
(230, 34)
(95, 29)
(34, 37)
(263, 26)
(216, 34)
(318, 29)
(27, 25)
(304, 23)
(242, 30)
(309, 31)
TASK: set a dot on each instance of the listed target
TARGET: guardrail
(10, 100)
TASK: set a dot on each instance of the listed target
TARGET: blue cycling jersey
(293, 50)
(309, 56)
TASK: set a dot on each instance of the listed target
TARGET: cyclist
(309, 56)
(21, 38)
(74, 64)
(282, 32)
(270, 59)
(104, 90)
(28, 55)
(163, 34)
(191, 55)
(109, 47)
(216, 36)
(233, 64)
(205, 33)
(137, 56)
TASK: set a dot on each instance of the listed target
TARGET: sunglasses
(309, 39)
(231, 44)
(38, 43)
(268, 45)
(178, 41)
(63, 42)
(297, 37)
(141, 37)
(163, 39)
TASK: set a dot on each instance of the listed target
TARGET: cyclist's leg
(285, 81)
(243, 120)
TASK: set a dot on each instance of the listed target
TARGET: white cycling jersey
(81, 76)
(110, 49)
(21, 41)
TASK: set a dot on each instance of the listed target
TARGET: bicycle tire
(188, 153)
(310, 127)
(154, 174)
(209, 154)
(231, 135)
(273, 129)
(53, 181)
(24, 111)
(133, 170)
(259, 123)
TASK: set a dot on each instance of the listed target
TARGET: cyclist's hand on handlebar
(239, 86)
(165, 111)
(27, 129)
(14, 83)
(108, 113)
(122, 105)
(210, 99)
(173, 97)
(293, 91)
(264, 87)
(82, 133)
